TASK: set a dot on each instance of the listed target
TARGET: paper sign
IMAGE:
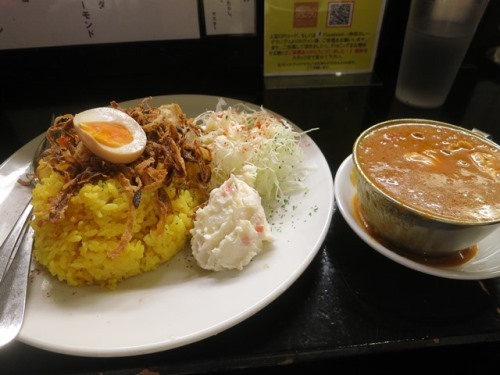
(37, 23)
(224, 17)
(321, 37)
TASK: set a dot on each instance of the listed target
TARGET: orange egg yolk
(112, 134)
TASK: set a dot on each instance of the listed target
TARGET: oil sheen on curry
(440, 170)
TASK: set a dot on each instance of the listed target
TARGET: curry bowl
(426, 187)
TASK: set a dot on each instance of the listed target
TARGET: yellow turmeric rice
(109, 228)
(76, 249)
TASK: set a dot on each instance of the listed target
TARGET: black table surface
(352, 308)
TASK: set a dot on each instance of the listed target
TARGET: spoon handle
(9, 246)
(13, 290)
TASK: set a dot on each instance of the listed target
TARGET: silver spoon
(15, 260)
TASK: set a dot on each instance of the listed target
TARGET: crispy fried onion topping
(173, 155)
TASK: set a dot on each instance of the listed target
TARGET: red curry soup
(442, 170)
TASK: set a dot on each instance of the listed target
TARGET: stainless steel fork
(15, 259)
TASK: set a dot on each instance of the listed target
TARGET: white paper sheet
(224, 17)
(37, 23)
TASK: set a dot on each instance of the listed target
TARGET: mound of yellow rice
(76, 249)
(98, 222)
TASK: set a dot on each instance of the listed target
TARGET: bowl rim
(414, 210)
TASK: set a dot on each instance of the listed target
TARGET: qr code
(340, 14)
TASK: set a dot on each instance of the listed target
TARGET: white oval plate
(485, 265)
(178, 303)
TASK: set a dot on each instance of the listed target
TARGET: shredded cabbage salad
(259, 147)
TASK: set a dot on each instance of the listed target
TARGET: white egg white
(122, 154)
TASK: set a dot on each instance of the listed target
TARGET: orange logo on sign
(305, 14)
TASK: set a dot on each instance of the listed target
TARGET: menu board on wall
(321, 37)
(42, 23)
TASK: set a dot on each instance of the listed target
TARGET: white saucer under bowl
(484, 265)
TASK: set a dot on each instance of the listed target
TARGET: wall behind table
(37, 82)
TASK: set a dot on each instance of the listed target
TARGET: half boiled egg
(110, 134)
